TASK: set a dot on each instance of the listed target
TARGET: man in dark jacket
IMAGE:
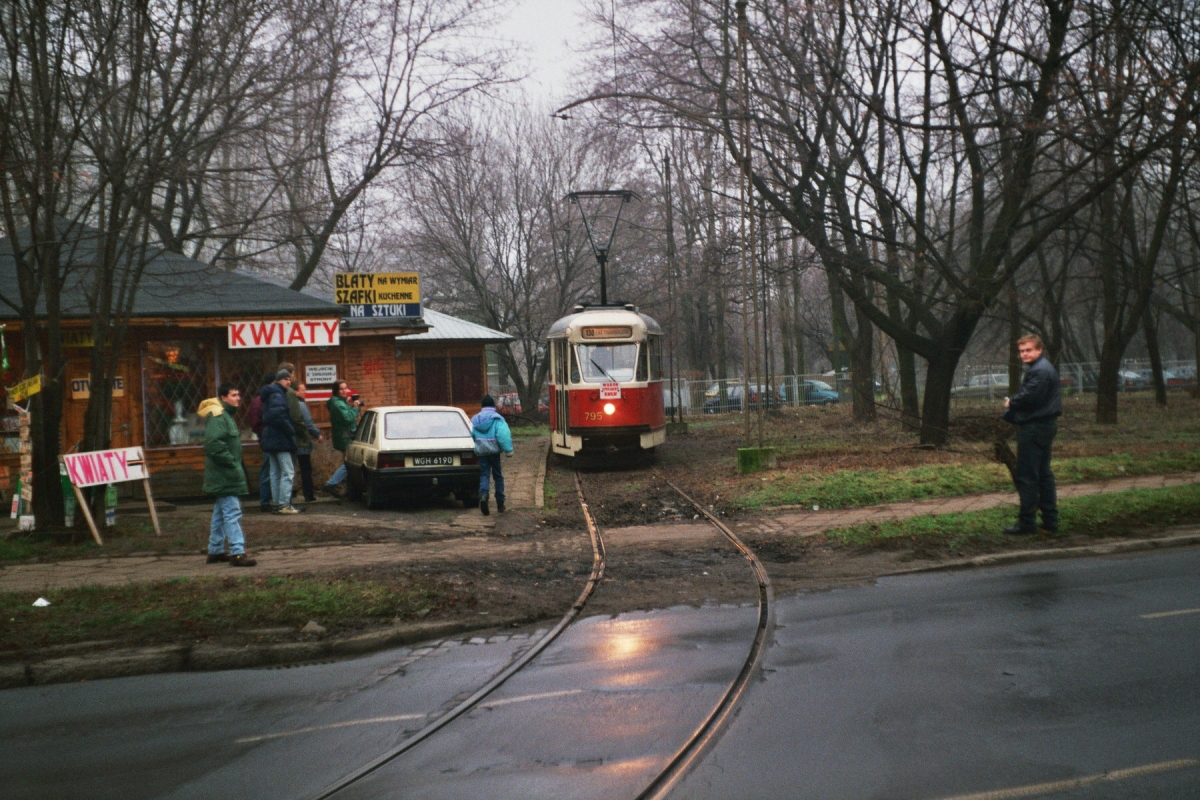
(1034, 409)
(224, 477)
(254, 417)
(278, 441)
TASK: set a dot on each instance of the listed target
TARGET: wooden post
(150, 503)
(87, 514)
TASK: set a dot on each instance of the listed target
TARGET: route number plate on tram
(610, 391)
(433, 461)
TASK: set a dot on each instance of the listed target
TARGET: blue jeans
(282, 472)
(491, 464)
(264, 481)
(339, 475)
(225, 527)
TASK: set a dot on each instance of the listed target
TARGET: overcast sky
(552, 34)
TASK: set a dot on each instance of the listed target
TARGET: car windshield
(617, 360)
(424, 425)
(822, 385)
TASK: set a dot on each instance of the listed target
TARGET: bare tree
(499, 242)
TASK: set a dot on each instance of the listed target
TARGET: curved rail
(707, 732)
(598, 556)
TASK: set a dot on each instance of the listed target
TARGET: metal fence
(990, 381)
(980, 382)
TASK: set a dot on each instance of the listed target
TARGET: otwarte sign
(81, 388)
(106, 466)
(378, 294)
(284, 333)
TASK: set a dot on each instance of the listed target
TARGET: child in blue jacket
(492, 437)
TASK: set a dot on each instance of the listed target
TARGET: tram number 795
(593, 416)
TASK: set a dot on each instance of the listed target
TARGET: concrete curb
(539, 490)
(204, 657)
(1026, 556)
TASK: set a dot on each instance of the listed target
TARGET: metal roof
(443, 327)
(172, 285)
(604, 315)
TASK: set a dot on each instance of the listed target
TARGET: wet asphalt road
(945, 685)
(929, 686)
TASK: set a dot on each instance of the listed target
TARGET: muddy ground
(660, 552)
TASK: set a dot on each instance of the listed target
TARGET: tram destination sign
(378, 294)
(610, 332)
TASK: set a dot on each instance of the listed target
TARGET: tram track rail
(481, 694)
(703, 735)
(708, 731)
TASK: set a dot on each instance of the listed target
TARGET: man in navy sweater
(1034, 410)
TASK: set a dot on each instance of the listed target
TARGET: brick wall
(371, 369)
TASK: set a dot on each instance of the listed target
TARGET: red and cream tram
(606, 381)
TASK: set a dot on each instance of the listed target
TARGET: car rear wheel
(371, 495)
(468, 497)
(354, 487)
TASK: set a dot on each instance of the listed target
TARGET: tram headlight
(609, 408)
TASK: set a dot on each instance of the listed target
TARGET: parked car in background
(819, 393)
(425, 450)
(714, 403)
(508, 404)
(1135, 379)
(993, 386)
(1180, 376)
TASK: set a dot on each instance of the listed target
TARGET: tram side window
(643, 362)
(608, 362)
(574, 367)
(656, 355)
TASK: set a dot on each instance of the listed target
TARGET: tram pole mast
(745, 192)
(671, 287)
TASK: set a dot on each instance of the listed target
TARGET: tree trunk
(1014, 333)
(1150, 328)
(910, 401)
(45, 430)
(862, 369)
(935, 417)
(1106, 383)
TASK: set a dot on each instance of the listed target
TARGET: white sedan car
(416, 449)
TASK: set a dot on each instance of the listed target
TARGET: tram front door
(562, 406)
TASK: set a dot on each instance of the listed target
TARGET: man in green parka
(344, 408)
(224, 476)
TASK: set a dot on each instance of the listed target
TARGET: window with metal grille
(249, 370)
(178, 374)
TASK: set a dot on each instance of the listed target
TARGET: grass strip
(1091, 516)
(202, 607)
(849, 488)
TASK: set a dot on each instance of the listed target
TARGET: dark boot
(483, 506)
(242, 560)
(1020, 530)
(500, 505)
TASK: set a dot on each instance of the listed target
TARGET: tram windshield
(607, 362)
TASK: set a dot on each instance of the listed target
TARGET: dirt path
(483, 547)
